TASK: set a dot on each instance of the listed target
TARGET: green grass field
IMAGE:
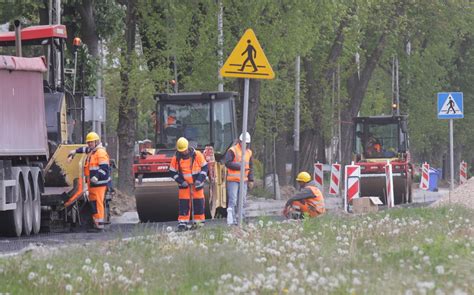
(400, 251)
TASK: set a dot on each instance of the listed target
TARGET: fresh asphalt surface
(9, 245)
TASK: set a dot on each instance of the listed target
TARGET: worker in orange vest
(97, 173)
(189, 169)
(308, 202)
(233, 160)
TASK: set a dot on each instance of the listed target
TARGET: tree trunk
(281, 153)
(88, 26)
(126, 129)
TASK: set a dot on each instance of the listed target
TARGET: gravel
(462, 195)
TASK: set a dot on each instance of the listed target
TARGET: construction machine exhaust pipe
(18, 38)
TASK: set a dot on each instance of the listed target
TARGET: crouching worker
(189, 169)
(97, 173)
(308, 202)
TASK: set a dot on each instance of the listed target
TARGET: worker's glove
(198, 184)
(184, 184)
(94, 179)
(71, 155)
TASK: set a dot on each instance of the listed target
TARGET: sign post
(247, 61)
(450, 106)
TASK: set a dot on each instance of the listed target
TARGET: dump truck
(39, 190)
(377, 141)
(207, 120)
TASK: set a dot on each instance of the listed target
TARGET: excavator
(207, 120)
(377, 141)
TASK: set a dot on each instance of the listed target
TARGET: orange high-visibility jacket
(194, 168)
(97, 165)
(233, 174)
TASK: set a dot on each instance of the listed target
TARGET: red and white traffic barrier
(389, 185)
(318, 175)
(425, 176)
(335, 179)
(352, 184)
(463, 172)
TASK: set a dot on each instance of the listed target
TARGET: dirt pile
(462, 195)
(122, 203)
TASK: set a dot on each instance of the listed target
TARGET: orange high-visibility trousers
(198, 204)
(97, 199)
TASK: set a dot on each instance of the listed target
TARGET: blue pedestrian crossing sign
(450, 105)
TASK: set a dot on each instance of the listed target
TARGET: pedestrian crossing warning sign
(450, 105)
(248, 60)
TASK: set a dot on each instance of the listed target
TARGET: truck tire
(38, 187)
(11, 221)
(27, 201)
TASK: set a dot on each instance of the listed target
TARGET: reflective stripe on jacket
(233, 174)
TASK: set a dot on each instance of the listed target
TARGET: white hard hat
(247, 137)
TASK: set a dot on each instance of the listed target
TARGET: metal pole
(98, 93)
(339, 140)
(74, 76)
(220, 44)
(296, 137)
(175, 69)
(451, 151)
(18, 38)
(244, 149)
(397, 94)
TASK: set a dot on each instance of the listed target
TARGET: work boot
(182, 226)
(230, 216)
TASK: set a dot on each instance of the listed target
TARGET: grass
(400, 251)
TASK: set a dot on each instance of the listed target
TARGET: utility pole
(296, 136)
(339, 112)
(220, 44)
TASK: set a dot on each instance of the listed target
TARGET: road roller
(207, 120)
(378, 140)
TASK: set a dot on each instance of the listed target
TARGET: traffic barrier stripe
(335, 177)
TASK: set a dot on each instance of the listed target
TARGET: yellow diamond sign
(248, 60)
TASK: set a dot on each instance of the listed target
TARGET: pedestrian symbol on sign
(247, 60)
(251, 54)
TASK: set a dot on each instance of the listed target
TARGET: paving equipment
(207, 120)
(38, 188)
(378, 140)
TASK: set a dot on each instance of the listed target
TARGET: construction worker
(97, 173)
(189, 169)
(373, 146)
(308, 202)
(233, 160)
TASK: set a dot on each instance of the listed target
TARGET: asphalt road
(128, 226)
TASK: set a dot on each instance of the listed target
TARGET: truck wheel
(37, 189)
(27, 201)
(11, 221)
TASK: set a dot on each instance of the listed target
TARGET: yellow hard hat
(182, 144)
(303, 176)
(92, 136)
